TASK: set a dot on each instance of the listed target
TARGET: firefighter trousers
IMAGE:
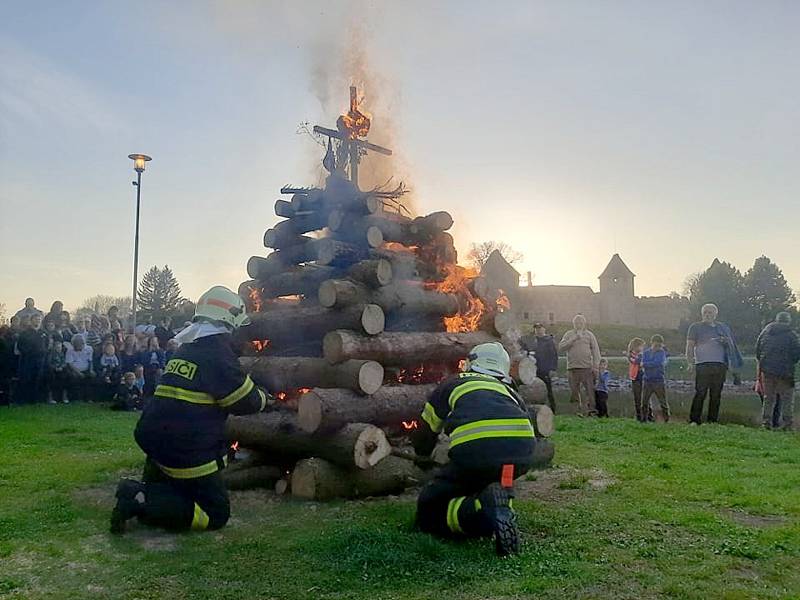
(181, 504)
(449, 504)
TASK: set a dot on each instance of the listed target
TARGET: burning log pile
(357, 312)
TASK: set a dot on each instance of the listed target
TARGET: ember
(408, 425)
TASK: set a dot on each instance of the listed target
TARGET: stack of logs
(349, 318)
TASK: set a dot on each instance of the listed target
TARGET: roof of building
(616, 267)
(557, 289)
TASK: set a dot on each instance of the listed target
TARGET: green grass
(684, 512)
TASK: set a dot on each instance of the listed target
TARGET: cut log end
(372, 319)
(371, 446)
(370, 377)
(544, 420)
(526, 370)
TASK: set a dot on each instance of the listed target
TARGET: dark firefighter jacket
(486, 420)
(182, 428)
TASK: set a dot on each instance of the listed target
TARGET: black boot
(127, 505)
(496, 505)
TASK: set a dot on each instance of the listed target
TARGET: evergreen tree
(159, 294)
(767, 290)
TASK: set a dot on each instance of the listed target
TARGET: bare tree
(3, 319)
(479, 253)
(100, 304)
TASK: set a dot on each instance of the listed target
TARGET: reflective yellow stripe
(431, 418)
(238, 393)
(200, 519)
(491, 428)
(168, 391)
(263, 400)
(452, 514)
(193, 472)
(474, 386)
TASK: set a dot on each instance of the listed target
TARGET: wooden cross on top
(349, 128)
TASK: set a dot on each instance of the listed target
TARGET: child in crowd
(654, 365)
(57, 373)
(601, 389)
(138, 373)
(154, 363)
(108, 370)
(635, 372)
(128, 395)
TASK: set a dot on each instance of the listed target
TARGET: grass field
(628, 511)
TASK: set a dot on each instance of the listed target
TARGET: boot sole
(506, 534)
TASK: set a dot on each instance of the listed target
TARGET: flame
(260, 345)
(290, 395)
(255, 297)
(457, 282)
(503, 303)
(235, 446)
(408, 425)
(355, 122)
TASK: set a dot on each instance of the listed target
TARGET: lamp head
(139, 161)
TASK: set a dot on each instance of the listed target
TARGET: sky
(665, 131)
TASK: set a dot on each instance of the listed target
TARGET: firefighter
(182, 428)
(491, 443)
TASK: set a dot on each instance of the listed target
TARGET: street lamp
(139, 161)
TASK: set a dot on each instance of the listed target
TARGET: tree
(723, 284)
(479, 253)
(3, 319)
(159, 294)
(99, 305)
(767, 290)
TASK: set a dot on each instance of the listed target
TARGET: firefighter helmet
(489, 359)
(221, 305)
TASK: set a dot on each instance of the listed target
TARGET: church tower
(617, 303)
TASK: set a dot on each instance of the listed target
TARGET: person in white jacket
(583, 364)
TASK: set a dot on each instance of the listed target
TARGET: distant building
(615, 303)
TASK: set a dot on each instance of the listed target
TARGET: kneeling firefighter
(491, 443)
(182, 428)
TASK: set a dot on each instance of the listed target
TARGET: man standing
(33, 344)
(182, 429)
(491, 443)
(29, 310)
(777, 352)
(544, 349)
(583, 364)
(710, 350)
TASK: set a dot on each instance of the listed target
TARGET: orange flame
(255, 297)
(355, 122)
(235, 446)
(457, 282)
(408, 425)
(260, 345)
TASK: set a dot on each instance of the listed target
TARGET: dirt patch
(757, 521)
(562, 484)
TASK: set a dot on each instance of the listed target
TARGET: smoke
(346, 56)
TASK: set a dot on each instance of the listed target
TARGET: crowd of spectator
(49, 358)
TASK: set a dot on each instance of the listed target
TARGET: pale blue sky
(668, 131)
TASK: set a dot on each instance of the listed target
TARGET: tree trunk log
(372, 273)
(313, 322)
(535, 392)
(289, 373)
(340, 254)
(284, 208)
(543, 453)
(399, 296)
(325, 410)
(282, 238)
(263, 476)
(358, 445)
(432, 223)
(300, 280)
(399, 349)
(543, 420)
(524, 370)
(317, 479)
(282, 486)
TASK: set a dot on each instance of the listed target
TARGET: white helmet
(489, 359)
(219, 304)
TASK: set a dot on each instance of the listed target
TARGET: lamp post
(139, 161)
